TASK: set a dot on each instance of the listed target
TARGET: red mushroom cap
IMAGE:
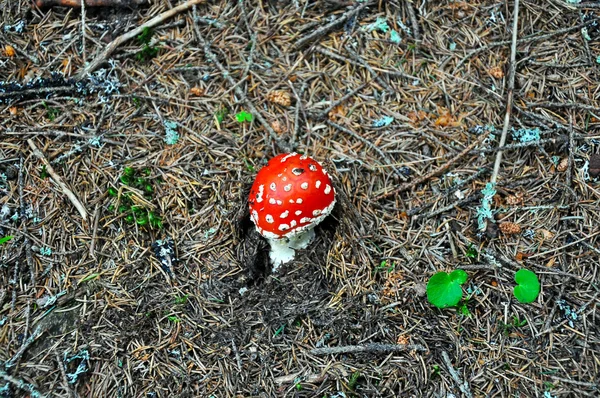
(290, 194)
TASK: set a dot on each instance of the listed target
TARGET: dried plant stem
(368, 143)
(433, 173)
(238, 91)
(63, 374)
(511, 86)
(335, 103)
(322, 31)
(88, 3)
(464, 387)
(367, 348)
(65, 189)
(341, 58)
(20, 384)
(159, 19)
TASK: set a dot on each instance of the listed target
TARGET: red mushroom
(290, 196)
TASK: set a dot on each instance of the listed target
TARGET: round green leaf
(443, 290)
(528, 286)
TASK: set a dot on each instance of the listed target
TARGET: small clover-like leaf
(443, 289)
(528, 286)
(243, 116)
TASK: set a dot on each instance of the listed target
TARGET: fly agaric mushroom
(289, 197)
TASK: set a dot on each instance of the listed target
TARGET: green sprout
(353, 380)
(528, 286)
(220, 115)
(243, 116)
(112, 192)
(51, 113)
(471, 251)
(181, 300)
(5, 239)
(44, 173)
(516, 323)
(444, 290)
(148, 52)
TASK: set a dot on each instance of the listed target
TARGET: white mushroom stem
(283, 250)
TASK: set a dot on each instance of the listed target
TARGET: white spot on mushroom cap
(283, 227)
(254, 215)
(316, 212)
(303, 157)
(272, 201)
(279, 202)
(299, 201)
(286, 157)
(273, 186)
(283, 178)
(285, 214)
(293, 223)
(298, 212)
(259, 196)
(327, 189)
(304, 185)
(312, 167)
(269, 218)
(318, 183)
(287, 188)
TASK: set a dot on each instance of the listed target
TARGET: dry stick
(238, 91)
(37, 91)
(83, 31)
(368, 143)
(520, 41)
(63, 373)
(88, 3)
(296, 377)
(464, 387)
(413, 20)
(335, 103)
(20, 384)
(341, 58)
(322, 31)
(367, 348)
(297, 113)
(366, 65)
(511, 86)
(59, 180)
(159, 19)
(27, 241)
(439, 170)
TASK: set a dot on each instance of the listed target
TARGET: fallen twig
(238, 91)
(433, 173)
(375, 348)
(296, 377)
(88, 3)
(383, 155)
(159, 19)
(27, 242)
(80, 208)
(464, 387)
(20, 384)
(322, 31)
(512, 67)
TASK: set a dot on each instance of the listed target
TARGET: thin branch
(511, 86)
(109, 49)
(322, 31)
(238, 91)
(65, 189)
(433, 173)
(376, 348)
(464, 387)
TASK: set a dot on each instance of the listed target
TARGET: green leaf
(5, 239)
(243, 116)
(145, 36)
(528, 286)
(443, 290)
(89, 277)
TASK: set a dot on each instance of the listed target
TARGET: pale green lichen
(395, 37)
(171, 135)
(526, 135)
(484, 212)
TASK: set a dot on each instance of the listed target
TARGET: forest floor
(129, 266)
